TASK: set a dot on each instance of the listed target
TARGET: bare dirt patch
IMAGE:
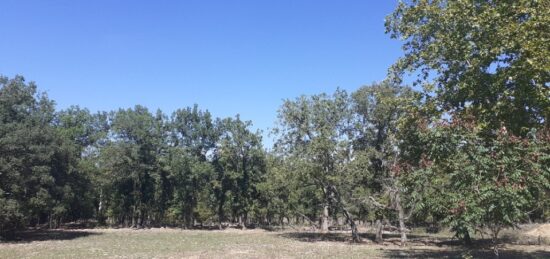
(540, 231)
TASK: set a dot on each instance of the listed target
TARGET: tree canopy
(468, 150)
(489, 57)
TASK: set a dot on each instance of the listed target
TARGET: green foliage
(36, 163)
(489, 57)
(484, 68)
(472, 183)
(240, 161)
(132, 162)
(315, 133)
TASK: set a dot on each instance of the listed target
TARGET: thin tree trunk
(378, 235)
(50, 221)
(335, 195)
(242, 222)
(354, 232)
(134, 221)
(494, 239)
(100, 208)
(220, 213)
(140, 219)
(467, 239)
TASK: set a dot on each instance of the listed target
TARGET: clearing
(232, 243)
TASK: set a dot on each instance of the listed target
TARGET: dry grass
(230, 243)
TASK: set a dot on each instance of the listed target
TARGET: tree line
(466, 147)
(129, 167)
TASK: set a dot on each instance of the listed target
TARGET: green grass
(174, 243)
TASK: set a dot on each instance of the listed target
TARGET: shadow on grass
(463, 253)
(440, 247)
(317, 237)
(34, 235)
(346, 237)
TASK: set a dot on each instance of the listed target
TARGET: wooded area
(466, 146)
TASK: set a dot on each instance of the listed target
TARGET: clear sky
(230, 57)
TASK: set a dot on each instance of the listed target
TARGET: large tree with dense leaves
(194, 135)
(85, 134)
(488, 57)
(132, 162)
(315, 131)
(485, 64)
(471, 183)
(240, 161)
(378, 109)
(38, 182)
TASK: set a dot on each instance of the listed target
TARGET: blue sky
(230, 57)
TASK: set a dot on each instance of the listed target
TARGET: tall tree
(85, 133)
(35, 163)
(315, 130)
(132, 161)
(485, 66)
(241, 160)
(194, 138)
(379, 109)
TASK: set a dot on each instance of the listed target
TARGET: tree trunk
(324, 219)
(100, 208)
(401, 215)
(354, 232)
(140, 219)
(467, 238)
(189, 220)
(220, 212)
(378, 235)
(133, 224)
(242, 222)
(494, 239)
(50, 221)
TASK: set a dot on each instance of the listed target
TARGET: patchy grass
(532, 234)
(230, 243)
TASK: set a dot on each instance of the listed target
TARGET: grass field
(232, 243)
